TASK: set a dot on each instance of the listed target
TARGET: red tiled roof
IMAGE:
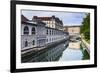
(43, 18)
(47, 19)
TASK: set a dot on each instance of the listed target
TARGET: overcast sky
(68, 18)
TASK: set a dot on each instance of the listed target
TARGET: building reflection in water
(74, 45)
(49, 54)
(73, 52)
(61, 52)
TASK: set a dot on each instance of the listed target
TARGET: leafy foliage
(85, 29)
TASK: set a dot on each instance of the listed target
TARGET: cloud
(68, 18)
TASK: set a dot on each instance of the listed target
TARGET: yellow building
(72, 30)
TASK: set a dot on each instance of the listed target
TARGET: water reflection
(73, 52)
(74, 45)
(49, 54)
(63, 52)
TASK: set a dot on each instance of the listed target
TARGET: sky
(68, 18)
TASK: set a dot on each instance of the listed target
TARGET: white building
(52, 22)
(54, 35)
(35, 33)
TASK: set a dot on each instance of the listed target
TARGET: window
(50, 32)
(54, 32)
(47, 40)
(52, 26)
(47, 31)
(26, 43)
(50, 39)
(72, 30)
(33, 30)
(33, 42)
(26, 30)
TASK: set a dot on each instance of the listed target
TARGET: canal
(66, 51)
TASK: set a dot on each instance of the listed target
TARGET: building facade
(54, 35)
(36, 33)
(72, 30)
(33, 33)
(52, 22)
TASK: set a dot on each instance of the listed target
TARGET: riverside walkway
(87, 45)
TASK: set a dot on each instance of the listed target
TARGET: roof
(35, 22)
(73, 26)
(23, 18)
(29, 23)
(42, 18)
(47, 19)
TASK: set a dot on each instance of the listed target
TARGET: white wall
(5, 37)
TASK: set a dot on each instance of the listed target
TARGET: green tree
(85, 28)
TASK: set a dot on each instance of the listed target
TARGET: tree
(85, 28)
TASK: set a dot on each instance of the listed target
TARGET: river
(67, 51)
(72, 52)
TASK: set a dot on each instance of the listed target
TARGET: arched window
(33, 42)
(26, 43)
(26, 30)
(33, 30)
